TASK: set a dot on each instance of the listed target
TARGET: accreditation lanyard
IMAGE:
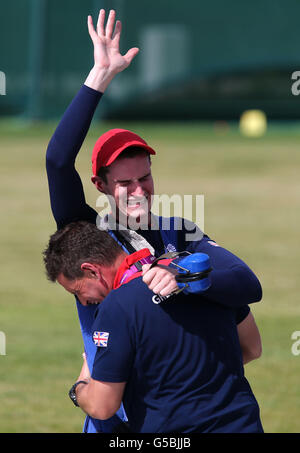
(131, 266)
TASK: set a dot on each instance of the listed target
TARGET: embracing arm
(250, 340)
(100, 400)
(65, 187)
(101, 397)
(232, 282)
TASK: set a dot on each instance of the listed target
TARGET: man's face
(130, 183)
(89, 289)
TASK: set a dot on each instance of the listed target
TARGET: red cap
(109, 145)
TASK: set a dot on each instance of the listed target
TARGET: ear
(91, 270)
(99, 183)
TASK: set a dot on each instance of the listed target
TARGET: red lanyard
(128, 269)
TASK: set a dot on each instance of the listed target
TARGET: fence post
(35, 60)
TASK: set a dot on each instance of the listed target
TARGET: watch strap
(72, 393)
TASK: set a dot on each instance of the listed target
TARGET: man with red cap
(126, 158)
(110, 145)
(122, 171)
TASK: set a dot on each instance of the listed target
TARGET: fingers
(112, 29)
(145, 268)
(110, 25)
(166, 289)
(91, 28)
(100, 23)
(164, 286)
(156, 272)
(106, 42)
(160, 281)
(148, 275)
(117, 33)
(129, 56)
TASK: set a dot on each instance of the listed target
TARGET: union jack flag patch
(101, 338)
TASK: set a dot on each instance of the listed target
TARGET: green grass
(252, 207)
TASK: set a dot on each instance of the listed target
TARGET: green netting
(197, 60)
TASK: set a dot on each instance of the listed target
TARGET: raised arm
(65, 187)
(107, 58)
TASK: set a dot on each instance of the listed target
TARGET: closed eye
(144, 178)
(126, 182)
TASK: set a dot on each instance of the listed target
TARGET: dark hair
(77, 243)
(129, 153)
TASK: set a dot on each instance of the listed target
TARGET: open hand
(108, 60)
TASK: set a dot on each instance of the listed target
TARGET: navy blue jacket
(182, 366)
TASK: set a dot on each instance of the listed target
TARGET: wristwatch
(72, 393)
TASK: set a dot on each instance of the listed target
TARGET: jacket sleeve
(65, 187)
(232, 282)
